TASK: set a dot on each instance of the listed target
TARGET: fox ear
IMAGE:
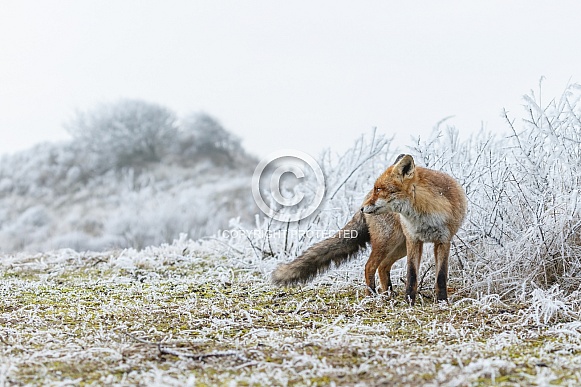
(405, 166)
(398, 158)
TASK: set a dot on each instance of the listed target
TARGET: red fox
(407, 207)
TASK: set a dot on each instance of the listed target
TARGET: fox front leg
(441, 253)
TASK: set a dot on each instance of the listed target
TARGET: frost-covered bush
(124, 209)
(532, 205)
(127, 133)
(30, 225)
(202, 137)
(153, 216)
(38, 171)
(523, 189)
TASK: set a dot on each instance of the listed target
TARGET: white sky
(299, 74)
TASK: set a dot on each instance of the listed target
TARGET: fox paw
(389, 293)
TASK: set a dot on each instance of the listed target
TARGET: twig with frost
(196, 356)
(375, 150)
(3, 340)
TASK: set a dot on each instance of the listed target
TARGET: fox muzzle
(369, 209)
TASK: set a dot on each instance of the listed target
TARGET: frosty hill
(134, 175)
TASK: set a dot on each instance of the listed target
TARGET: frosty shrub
(39, 171)
(524, 206)
(32, 224)
(203, 137)
(127, 133)
(525, 216)
(523, 228)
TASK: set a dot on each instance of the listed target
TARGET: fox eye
(377, 189)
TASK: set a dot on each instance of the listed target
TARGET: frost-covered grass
(197, 313)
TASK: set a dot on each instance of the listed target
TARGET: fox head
(393, 190)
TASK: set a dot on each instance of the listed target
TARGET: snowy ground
(196, 313)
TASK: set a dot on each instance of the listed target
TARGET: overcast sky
(298, 74)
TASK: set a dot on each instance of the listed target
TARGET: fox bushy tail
(339, 248)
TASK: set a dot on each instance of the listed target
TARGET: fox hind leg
(373, 262)
(384, 268)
